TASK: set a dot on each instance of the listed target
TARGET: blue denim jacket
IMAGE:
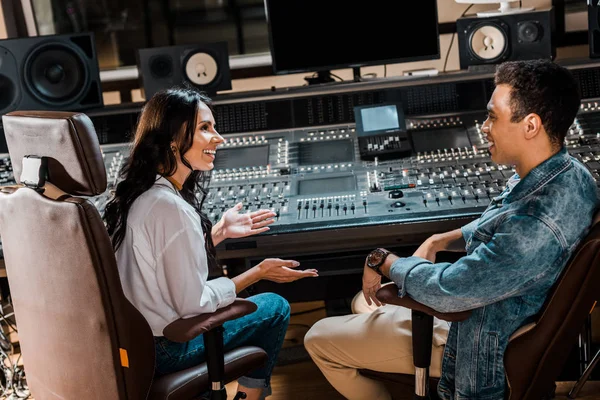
(515, 252)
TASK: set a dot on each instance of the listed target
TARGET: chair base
(189, 383)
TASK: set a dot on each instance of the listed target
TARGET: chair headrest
(69, 142)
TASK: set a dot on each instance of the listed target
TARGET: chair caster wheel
(240, 395)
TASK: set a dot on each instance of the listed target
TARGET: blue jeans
(264, 328)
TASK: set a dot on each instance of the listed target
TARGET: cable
(448, 52)
(335, 76)
(452, 40)
(384, 70)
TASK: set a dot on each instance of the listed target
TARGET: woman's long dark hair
(169, 116)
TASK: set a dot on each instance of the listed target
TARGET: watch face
(376, 257)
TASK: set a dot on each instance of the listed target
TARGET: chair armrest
(389, 295)
(186, 329)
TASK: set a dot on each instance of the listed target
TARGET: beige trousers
(376, 338)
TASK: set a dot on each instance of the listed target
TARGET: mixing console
(313, 178)
(326, 195)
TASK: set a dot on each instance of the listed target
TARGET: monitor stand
(325, 77)
(356, 73)
(322, 77)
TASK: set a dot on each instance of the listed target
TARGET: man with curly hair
(515, 252)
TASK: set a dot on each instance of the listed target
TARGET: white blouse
(162, 260)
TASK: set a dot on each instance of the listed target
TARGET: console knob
(396, 194)
(397, 204)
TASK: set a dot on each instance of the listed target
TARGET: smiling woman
(201, 155)
(165, 245)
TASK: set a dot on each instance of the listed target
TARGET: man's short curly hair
(544, 88)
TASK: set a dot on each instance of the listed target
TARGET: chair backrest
(536, 354)
(79, 336)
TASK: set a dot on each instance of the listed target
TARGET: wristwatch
(376, 258)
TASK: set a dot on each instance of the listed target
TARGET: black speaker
(54, 72)
(510, 37)
(204, 66)
(594, 28)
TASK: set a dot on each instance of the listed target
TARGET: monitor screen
(325, 152)
(379, 119)
(317, 35)
(451, 138)
(326, 185)
(255, 156)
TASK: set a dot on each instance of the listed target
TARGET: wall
(3, 34)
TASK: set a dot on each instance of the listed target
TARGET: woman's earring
(174, 149)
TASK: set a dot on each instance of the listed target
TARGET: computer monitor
(318, 36)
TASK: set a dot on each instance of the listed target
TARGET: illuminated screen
(379, 118)
(327, 185)
(325, 152)
(254, 156)
(442, 139)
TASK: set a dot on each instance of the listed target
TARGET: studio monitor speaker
(204, 66)
(54, 72)
(493, 40)
(594, 28)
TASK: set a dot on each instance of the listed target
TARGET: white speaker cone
(201, 69)
(488, 42)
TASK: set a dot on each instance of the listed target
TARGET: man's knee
(315, 336)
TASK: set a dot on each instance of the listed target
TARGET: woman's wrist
(219, 233)
(248, 278)
(259, 272)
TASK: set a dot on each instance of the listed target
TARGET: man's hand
(447, 241)
(371, 283)
(234, 224)
(428, 249)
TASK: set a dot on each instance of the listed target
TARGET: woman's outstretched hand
(281, 271)
(272, 269)
(234, 224)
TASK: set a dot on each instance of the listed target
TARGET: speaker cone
(529, 32)
(161, 66)
(488, 42)
(55, 74)
(201, 69)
